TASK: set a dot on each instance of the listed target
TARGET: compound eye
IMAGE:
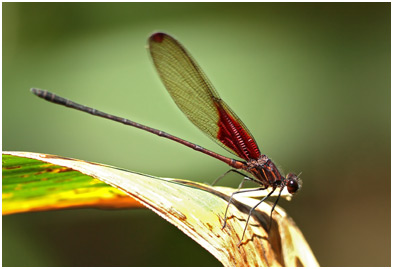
(292, 186)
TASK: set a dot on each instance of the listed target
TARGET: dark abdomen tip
(38, 92)
(35, 91)
(44, 94)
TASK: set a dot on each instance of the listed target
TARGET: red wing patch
(233, 135)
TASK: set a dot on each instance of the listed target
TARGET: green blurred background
(310, 80)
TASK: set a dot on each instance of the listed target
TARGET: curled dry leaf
(198, 209)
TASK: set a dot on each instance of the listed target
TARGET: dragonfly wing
(195, 96)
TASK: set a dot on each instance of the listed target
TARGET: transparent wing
(195, 96)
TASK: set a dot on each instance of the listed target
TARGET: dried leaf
(198, 209)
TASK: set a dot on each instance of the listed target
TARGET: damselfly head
(293, 183)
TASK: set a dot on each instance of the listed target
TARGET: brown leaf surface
(198, 209)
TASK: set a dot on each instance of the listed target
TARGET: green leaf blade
(34, 185)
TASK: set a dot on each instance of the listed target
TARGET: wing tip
(157, 37)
